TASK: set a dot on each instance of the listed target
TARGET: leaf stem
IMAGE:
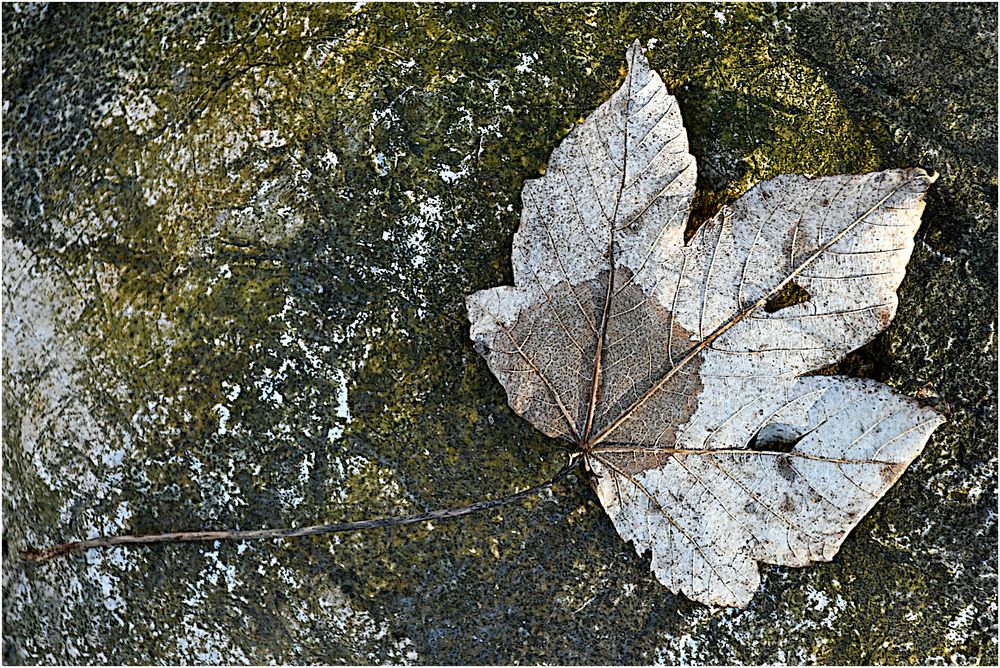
(316, 530)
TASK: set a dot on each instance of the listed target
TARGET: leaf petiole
(315, 530)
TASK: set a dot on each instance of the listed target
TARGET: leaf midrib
(595, 384)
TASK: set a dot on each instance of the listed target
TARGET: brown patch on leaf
(787, 504)
(642, 345)
(890, 473)
(546, 362)
(884, 316)
(786, 470)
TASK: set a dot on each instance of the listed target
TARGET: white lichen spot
(683, 648)
(234, 147)
(343, 408)
(381, 164)
(306, 467)
(961, 625)
(329, 161)
(359, 630)
(232, 390)
(96, 571)
(448, 175)
(270, 139)
(526, 63)
(223, 413)
(138, 111)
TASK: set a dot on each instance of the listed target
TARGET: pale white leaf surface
(684, 390)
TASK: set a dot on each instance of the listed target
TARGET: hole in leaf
(775, 438)
(704, 206)
(790, 295)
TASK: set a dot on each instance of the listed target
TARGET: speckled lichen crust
(237, 244)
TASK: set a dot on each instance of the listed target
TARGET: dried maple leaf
(679, 370)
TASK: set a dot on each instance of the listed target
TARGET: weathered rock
(236, 248)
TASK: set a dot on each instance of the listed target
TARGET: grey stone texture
(236, 245)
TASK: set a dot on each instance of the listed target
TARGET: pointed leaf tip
(633, 52)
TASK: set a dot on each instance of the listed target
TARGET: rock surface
(237, 242)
